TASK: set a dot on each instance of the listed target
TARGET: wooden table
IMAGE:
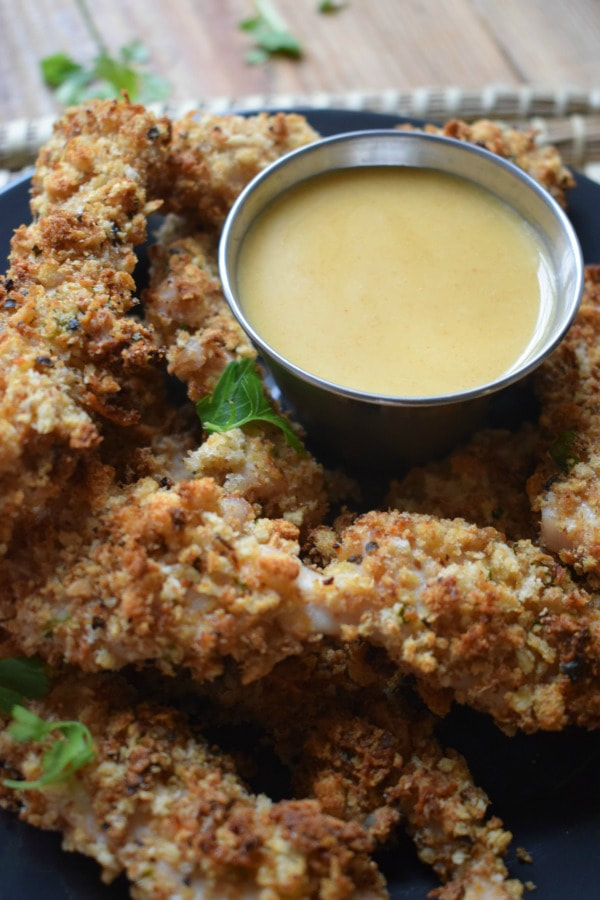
(370, 44)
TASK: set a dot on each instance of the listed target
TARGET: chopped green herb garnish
(67, 753)
(106, 76)
(25, 679)
(238, 399)
(270, 33)
(562, 453)
(330, 6)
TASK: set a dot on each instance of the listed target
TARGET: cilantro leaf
(270, 33)
(57, 68)
(106, 76)
(119, 76)
(237, 399)
(67, 753)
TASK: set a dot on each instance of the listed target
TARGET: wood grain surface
(370, 44)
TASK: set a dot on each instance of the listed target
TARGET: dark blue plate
(545, 787)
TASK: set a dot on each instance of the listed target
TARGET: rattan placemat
(567, 118)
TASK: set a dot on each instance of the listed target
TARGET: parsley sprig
(72, 747)
(271, 34)
(237, 399)
(106, 76)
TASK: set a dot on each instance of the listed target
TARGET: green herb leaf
(25, 677)
(134, 52)
(152, 88)
(57, 68)
(72, 90)
(68, 753)
(120, 76)
(237, 399)
(271, 34)
(562, 449)
(330, 6)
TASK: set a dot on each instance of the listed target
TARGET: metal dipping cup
(381, 433)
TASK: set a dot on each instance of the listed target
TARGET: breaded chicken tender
(518, 146)
(341, 719)
(186, 305)
(168, 810)
(187, 577)
(257, 464)
(69, 354)
(483, 481)
(500, 627)
(214, 157)
(182, 576)
(565, 488)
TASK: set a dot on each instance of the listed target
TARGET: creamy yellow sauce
(396, 281)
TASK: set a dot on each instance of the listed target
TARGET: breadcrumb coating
(518, 146)
(214, 157)
(342, 720)
(186, 305)
(565, 489)
(498, 626)
(69, 354)
(167, 809)
(483, 481)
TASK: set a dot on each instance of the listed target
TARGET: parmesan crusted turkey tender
(161, 805)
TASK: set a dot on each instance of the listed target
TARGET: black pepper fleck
(371, 547)
(43, 360)
(574, 668)
(355, 559)
(73, 324)
(98, 622)
(10, 304)
(152, 133)
(9, 284)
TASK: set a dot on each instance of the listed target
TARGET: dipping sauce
(395, 281)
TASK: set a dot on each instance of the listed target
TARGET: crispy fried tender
(483, 482)
(257, 464)
(501, 627)
(187, 577)
(185, 303)
(519, 146)
(161, 805)
(184, 576)
(566, 486)
(68, 352)
(214, 157)
(341, 720)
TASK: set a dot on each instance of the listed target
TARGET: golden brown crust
(518, 146)
(483, 481)
(214, 157)
(161, 805)
(565, 487)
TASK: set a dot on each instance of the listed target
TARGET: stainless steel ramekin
(381, 432)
